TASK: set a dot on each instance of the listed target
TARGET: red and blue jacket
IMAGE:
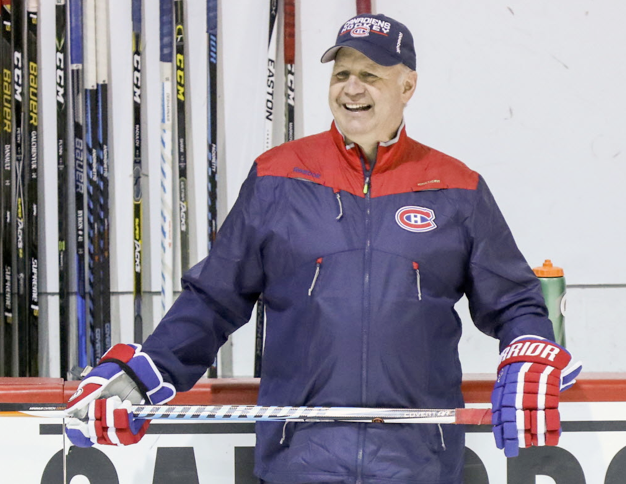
(360, 267)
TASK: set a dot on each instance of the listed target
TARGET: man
(361, 241)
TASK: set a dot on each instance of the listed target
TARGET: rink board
(592, 448)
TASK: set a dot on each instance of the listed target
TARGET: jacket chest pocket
(417, 278)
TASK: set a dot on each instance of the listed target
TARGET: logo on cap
(367, 24)
(384, 40)
(360, 31)
(416, 219)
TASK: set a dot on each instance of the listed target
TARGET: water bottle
(553, 288)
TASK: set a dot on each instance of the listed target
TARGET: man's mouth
(354, 108)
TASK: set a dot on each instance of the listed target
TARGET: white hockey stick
(167, 184)
(252, 413)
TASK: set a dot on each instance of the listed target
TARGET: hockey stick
(181, 132)
(212, 18)
(32, 197)
(94, 313)
(289, 52)
(20, 183)
(8, 246)
(270, 84)
(289, 11)
(252, 413)
(212, 128)
(62, 185)
(76, 55)
(167, 250)
(363, 6)
(103, 163)
(137, 172)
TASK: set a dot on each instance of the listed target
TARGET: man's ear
(408, 85)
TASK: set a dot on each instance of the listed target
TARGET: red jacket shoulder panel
(418, 167)
(315, 158)
(402, 166)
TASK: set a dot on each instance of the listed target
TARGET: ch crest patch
(416, 219)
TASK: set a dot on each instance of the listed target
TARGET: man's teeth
(356, 107)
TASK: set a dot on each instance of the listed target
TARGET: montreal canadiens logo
(360, 31)
(416, 219)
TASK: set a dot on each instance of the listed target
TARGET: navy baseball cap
(383, 39)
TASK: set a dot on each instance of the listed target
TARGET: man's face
(367, 100)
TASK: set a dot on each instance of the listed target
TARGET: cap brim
(373, 52)
(330, 54)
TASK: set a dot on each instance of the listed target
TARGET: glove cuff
(142, 370)
(533, 350)
(121, 355)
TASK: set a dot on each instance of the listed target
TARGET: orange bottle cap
(548, 270)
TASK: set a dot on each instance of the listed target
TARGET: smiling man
(361, 240)
(372, 80)
(367, 100)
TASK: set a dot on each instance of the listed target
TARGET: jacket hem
(326, 477)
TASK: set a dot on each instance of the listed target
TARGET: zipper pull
(366, 187)
(318, 264)
(416, 268)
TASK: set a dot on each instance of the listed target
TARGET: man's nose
(354, 86)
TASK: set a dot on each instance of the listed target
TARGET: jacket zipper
(366, 310)
(416, 268)
(318, 265)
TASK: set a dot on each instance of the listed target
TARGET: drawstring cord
(416, 267)
(338, 196)
(317, 273)
(443, 442)
(282, 440)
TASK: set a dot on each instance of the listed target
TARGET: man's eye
(342, 75)
(368, 76)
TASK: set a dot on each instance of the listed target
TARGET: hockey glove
(525, 398)
(131, 377)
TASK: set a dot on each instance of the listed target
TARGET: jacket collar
(388, 154)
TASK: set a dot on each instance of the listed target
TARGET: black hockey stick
(76, 55)
(181, 132)
(8, 243)
(63, 192)
(137, 173)
(32, 185)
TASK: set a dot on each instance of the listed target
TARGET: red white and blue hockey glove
(101, 405)
(525, 399)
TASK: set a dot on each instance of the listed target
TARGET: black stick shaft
(8, 233)
(20, 180)
(94, 286)
(212, 25)
(137, 173)
(181, 130)
(63, 192)
(76, 53)
(103, 166)
(33, 187)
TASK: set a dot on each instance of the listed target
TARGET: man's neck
(370, 151)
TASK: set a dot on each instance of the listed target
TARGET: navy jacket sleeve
(505, 297)
(218, 294)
